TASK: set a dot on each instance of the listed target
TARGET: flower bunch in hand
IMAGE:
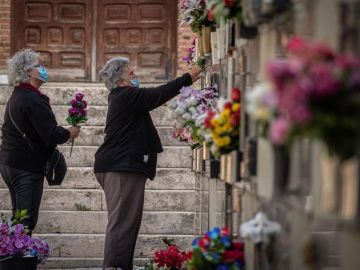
(216, 251)
(223, 125)
(194, 13)
(77, 113)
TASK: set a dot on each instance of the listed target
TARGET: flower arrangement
(191, 108)
(193, 12)
(77, 112)
(223, 125)
(227, 9)
(170, 258)
(15, 241)
(191, 60)
(215, 250)
(314, 93)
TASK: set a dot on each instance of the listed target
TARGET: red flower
(227, 105)
(238, 245)
(171, 257)
(230, 256)
(211, 15)
(224, 231)
(236, 95)
(204, 242)
(207, 121)
(235, 120)
(229, 3)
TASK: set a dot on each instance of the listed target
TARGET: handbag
(55, 168)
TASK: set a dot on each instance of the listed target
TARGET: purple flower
(82, 112)
(282, 71)
(74, 103)
(73, 111)
(279, 130)
(79, 96)
(19, 230)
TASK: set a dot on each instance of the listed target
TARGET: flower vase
(232, 167)
(199, 46)
(223, 162)
(206, 39)
(199, 155)
(20, 263)
(206, 151)
(281, 167)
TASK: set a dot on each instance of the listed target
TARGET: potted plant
(215, 250)
(18, 250)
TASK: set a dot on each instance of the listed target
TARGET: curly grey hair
(19, 65)
(113, 71)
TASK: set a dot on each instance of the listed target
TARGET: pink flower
(325, 82)
(279, 130)
(283, 71)
(296, 45)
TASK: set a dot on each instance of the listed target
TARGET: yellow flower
(227, 127)
(214, 121)
(226, 140)
(218, 129)
(235, 107)
(263, 114)
(226, 113)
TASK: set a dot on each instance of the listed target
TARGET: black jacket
(132, 142)
(32, 113)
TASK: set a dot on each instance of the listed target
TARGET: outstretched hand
(195, 73)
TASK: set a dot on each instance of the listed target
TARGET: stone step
(94, 136)
(91, 245)
(94, 199)
(61, 94)
(84, 178)
(81, 263)
(161, 116)
(82, 222)
(172, 157)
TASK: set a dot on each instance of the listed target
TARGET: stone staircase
(73, 216)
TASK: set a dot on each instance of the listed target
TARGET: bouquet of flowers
(227, 9)
(170, 258)
(223, 125)
(194, 13)
(314, 93)
(190, 108)
(215, 250)
(77, 112)
(15, 241)
(191, 60)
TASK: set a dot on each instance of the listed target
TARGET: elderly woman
(129, 153)
(30, 134)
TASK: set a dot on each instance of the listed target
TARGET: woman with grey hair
(30, 134)
(128, 155)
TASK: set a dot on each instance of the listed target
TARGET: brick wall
(4, 33)
(184, 39)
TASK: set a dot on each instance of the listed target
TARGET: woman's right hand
(74, 132)
(195, 73)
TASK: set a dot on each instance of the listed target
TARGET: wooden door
(143, 31)
(60, 30)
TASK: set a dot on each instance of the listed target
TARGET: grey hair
(113, 71)
(19, 65)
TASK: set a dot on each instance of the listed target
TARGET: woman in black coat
(129, 153)
(28, 111)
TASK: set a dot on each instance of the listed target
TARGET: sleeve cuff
(188, 79)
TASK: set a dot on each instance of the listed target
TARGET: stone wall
(4, 33)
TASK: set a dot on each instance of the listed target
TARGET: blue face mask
(135, 82)
(43, 74)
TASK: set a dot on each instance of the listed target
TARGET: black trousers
(26, 190)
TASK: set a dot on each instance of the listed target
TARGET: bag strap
(19, 130)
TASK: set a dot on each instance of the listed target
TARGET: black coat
(32, 113)
(132, 142)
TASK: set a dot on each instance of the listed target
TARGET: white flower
(260, 101)
(179, 110)
(187, 116)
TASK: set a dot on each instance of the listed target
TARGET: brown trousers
(124, 193)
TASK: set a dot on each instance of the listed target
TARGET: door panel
(61, 31)
(141, 31)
